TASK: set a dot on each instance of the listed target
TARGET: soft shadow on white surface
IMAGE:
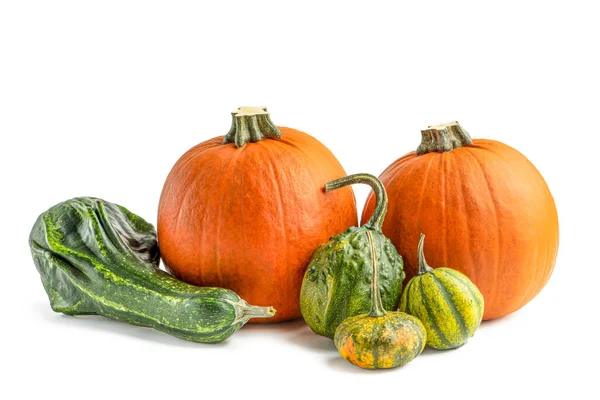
(429, 352)
(338, 363)
(288, 326)
(311, 341)
(280, 329)
(497, 321)
(99, 323)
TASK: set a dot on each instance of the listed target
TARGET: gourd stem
(381, 200)
(377, 309)
(423, 267)
(251, 124)
(374, 223)
(443, 137)
(244, 311)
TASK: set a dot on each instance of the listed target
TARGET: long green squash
(95, 257)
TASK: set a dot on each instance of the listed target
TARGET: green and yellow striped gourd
(446, 301)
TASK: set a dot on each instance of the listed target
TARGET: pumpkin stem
(381, 200)
(377, 309)
(251, 124)
(423, 267)
(443, 137)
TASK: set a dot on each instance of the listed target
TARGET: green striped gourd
(95, 257)
(446, 301)
(337, 281)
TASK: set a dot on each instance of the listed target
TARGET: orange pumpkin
(486, 208)
(247, 210)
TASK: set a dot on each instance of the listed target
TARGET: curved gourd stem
(373, 224)
(377, 309)
(381, 200)
(443, 137)
(251, 124)
(423, 267)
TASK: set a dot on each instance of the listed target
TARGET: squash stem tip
(245, 311)
(259, 312)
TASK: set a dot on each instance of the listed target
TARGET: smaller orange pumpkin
(485, 207)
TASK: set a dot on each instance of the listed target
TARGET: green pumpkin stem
(443, 137)
(423, 267)
(251, 124)
(377, 309)
(381, 200)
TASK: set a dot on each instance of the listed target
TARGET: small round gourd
(380, 339)
(337, 282)
(446, 301)
(388, 341)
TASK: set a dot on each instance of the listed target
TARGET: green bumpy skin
(337, 282)
(95, 257)
(448, 303)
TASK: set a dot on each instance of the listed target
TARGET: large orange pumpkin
(247, 210)
(486, 209)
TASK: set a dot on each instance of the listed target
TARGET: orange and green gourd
(337, 282)
(446, 301)
(380, 339)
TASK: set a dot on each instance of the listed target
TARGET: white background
(101, 98)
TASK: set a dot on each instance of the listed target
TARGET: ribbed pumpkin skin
(380, 342)
(249, 218)
(487, 212)
(447, 303)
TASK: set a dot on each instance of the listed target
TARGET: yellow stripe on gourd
(468, 285)
(464, 298)
(441, 311)
(413, 303)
